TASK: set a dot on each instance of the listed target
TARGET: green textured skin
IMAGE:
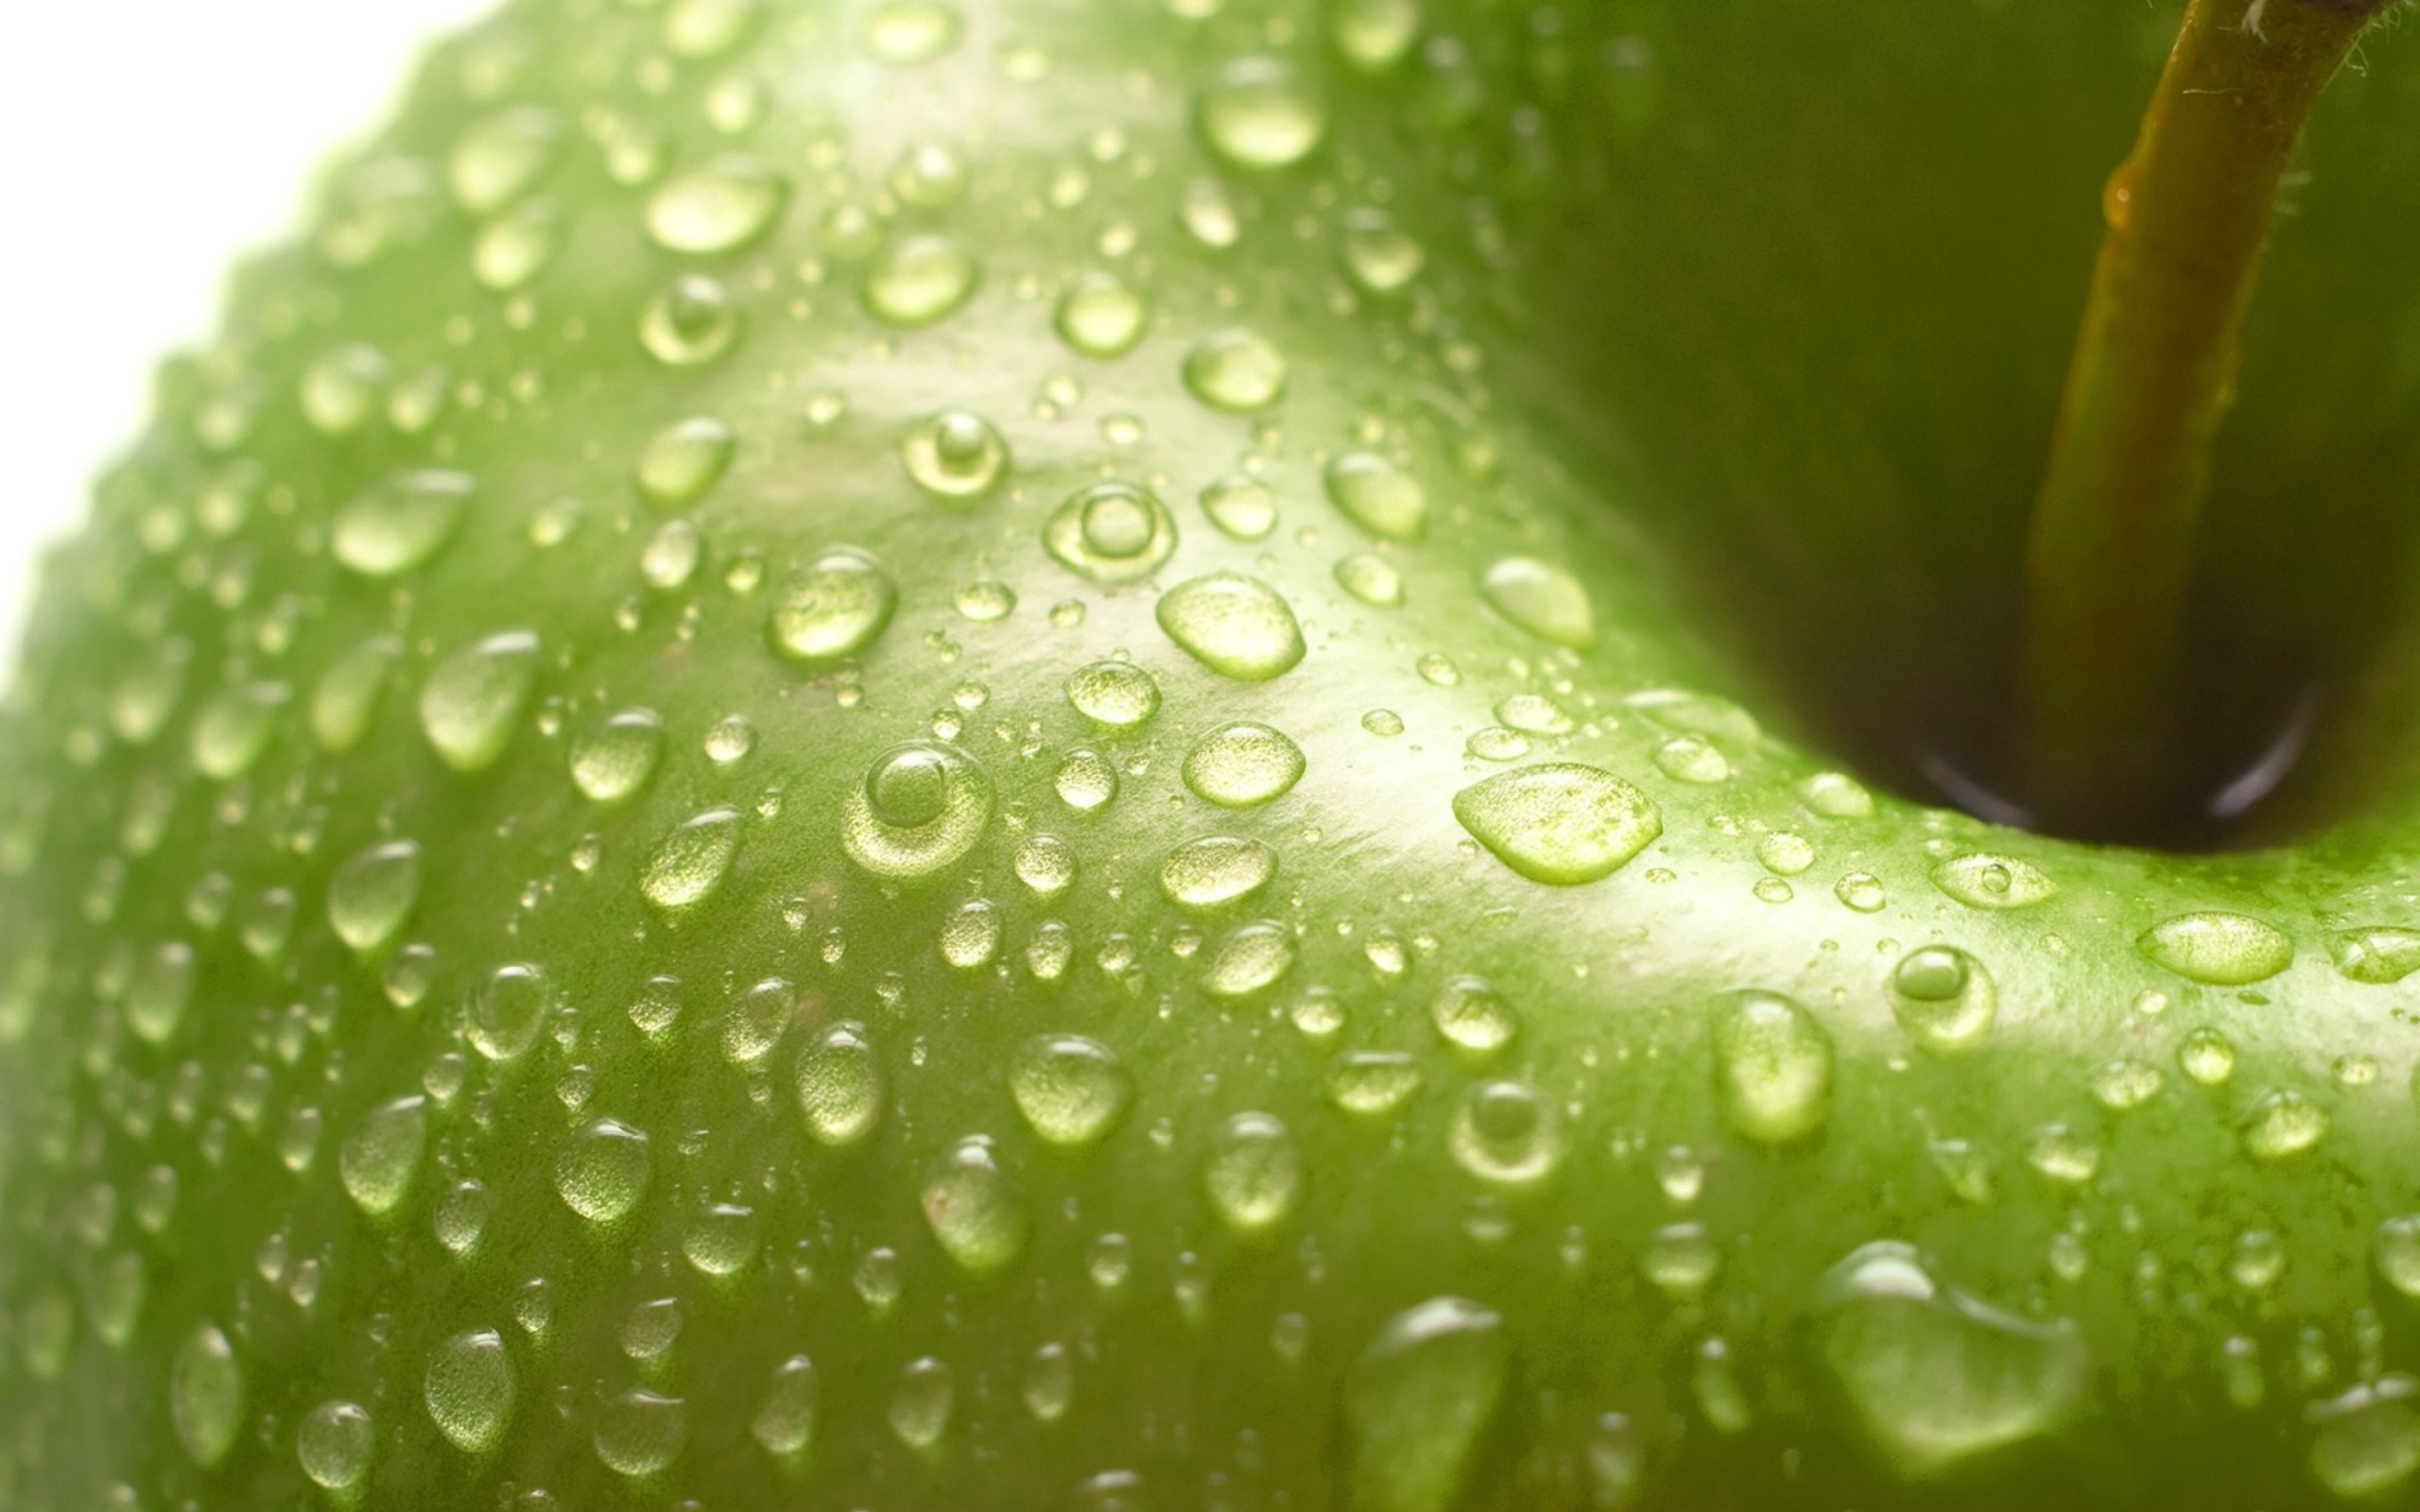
(1711, 316)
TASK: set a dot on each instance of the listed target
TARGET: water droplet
(1773, 1067)
(1981, 881)
(2125, 1083)
(785, 1423)
(1379, 496)
(921, 279)
(1937, 1377)
(920, 1403)
(469, 1390)
(383, 1153)
(1373, 1082)
(334, 1446)
(2396, 1247)
(372, 893)
(1072, 1090)
(401, 521)
(1100, 315)
(831, 609)
(955, 455)
(1508, 1133)
(1471, 1014)
(691, 862)
(206, 1395)
(1236, 370)
(2367, 1441)
(1046, 864)
(690, 325)
(1236, 625)
(838, 1082)
(513, 249)
(1243, 765)
(904, 33)
(617, 757)
(508, 1011)
(1119, 694)
(1085, 780)
(338, 394)
(233, 730)
(1242, 508)
(2062, 1155)
(1373, 35)
(1112, 533)
(2206, 1057)
(718, 206)
(1252, 959)
(985, 601)
(971, 936)
(602, 1169)
(639, 1433)
(1560, 822)
(1253, 1176)
(474, 698)
(2221, 949)
(681, 461)
(1417, 1400)
(1259, 114)
(348, 693)
(758, 1020)
(1216, 871)
(1371, 579)
(2282, 1124)
(1379, 255)
(1832, 795)
(1944, 998)
(160, 991)
(973, 1209)
(496, 161)
(921, 809)
(461, 1217)
(1543, 599)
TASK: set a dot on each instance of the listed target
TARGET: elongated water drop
(1560, 822)
(496, 161)
(1071, 1089)
(680, 463)
(383, 1153)
(2221, 949)
(1243, 765)
(1216, 871)
(2367, 1441)
(602, 1169)
(1253, 1176)
(640, 1434)
(372, 893)
(1236, 370)
(232, 732)
(920, 281)
(206, 1395)
(840, 1086)
(784, 1424)
(334, 1445)
(617, 758)
(975, 1214)
(347, 696)
(1417, 1399)
(508, 1011)
(1773, 1067)
(468, 1389)
(160, 991)
(474, 698)
(1542, 599)
(1236, 625)
(1118, 694)
(718, 206)
(397, 525)
(1379, 496)
(1992, 882)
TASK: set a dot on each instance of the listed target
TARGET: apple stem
(2111, 549)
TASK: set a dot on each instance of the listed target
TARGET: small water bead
(347, 696)
(372, 893)
(984, 601)
(955, 456)
(160, 991)
(474, 698)
(2282, 1124)
(831, 609)
(1833, 796)
(2219, 949)
(904, 33)
(679, 463)
(513, 249)
(1936, 1376)
(1418, 1400)
(718, 206)
(469, 1390)
(1773, 1067)
(1377, 496)
(2367, 1441)
(2206, 1057)
(206, 1395)
(1474, 1015)
(398, 524)
(1992, 882)
(1259, 114)
(1680, 1260)
(971, 935)
(1373, 1083)
(1216, 871)
(922, 1401)
(334, 1446)
(1542, 599)
(921, 279)
(1379, 255)
(1236, 625)
(1373, 579)
(1236, 370)
(1112, 533)
(1243, 765)
(602, 1169)
(690, 323)
(838, 1083)
(618, 757)
(1243, 508)
(1559, 823)
(1253, 1174)
(784, 1424)
(1508, 1133)
(2126, 1083)
(383, 1153)
(690, 864)
(1373, 35)
(921, 809)
(1943, 999)
(1100, 315)
(1118, 694)
(497, 161)
(2062, 1154)
(461, 1217)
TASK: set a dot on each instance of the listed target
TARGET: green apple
(903, 754)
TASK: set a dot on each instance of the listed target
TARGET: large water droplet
(334, 1446)
(508, 1011)
(840, 1086)
(2367, 1441)
(1377, 496)
(921, 809)
(473, 699)
(381, 1154)
(1259, 114)
(1508, 1133)
(1559, 823)
(1379, 255)
(397, 525)
(921, 279)
(974, 1212)
(1934, 1376)
(496, 161)
(2221, 949)
(617, 758)
(160, 991)
(718, 206)
(1944, 998)
(2282, 1124)
(469, 1390)
(640, 1434)
(1542, 599)
(922, 1401)
(1216, 871)
(690, 325)
(1236, 370)
(602, 1169)
(206, 1395)
(348, 693)
(1236, 625)
(784, 1424)
(1242, 508)
(1112, 533)
(681, 461)
(1250, 960)
(1253, 1176)
(1100, 315)
(232, 732)
(1072, 1090)
(1773, 1067)
(1243, 765)
(1471, 1014)
(2375, 956)
(1417, 1400)
(831, 609)
(1373, 35)
(692, 862)
(955, 456)
(1119, 694)
(1981, 881)
(1373, 1082)
(372, 893)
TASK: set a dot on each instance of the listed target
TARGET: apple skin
(1693, 1207)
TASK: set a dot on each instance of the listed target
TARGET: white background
(144, 145)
